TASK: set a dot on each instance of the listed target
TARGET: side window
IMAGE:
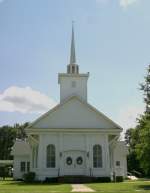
(28, 166)
(22, 166)
(117, 163)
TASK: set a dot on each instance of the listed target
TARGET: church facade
(73, 138)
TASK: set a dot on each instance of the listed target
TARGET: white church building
(73, 138)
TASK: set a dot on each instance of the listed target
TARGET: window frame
(28, 166)
(22, 166)
(50, 156)
(97, 156)
(118, 163)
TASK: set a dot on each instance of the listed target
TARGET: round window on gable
(73, 84)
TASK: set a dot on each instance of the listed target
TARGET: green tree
(143, 148)
(8, 135)
(131, 139)
(145, 87)
(143, 145)
(20, 130)
(138, 138)
(7, 138)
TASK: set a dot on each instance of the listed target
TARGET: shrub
(29, 177)
(4, 172)
(50, 180)
(119, 178)
(102, 179)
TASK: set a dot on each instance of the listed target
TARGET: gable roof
(20, 147)
(74, 113)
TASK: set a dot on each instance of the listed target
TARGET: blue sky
(112, 43)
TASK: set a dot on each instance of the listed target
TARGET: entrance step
(75, 179)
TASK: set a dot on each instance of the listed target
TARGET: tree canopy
(138, 138)
(8, 135)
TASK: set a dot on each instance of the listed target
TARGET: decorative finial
(72, 53)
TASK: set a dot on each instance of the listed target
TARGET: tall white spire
(72, 67)
(72, 50)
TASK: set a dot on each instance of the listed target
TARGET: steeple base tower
(72, 82)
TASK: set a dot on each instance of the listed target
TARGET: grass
(10, 186)
(124, 187)
(21, 187)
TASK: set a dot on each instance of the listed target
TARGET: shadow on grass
(21, 183)
(144, 187)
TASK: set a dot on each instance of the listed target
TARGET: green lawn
(125, 187)
(20, 187)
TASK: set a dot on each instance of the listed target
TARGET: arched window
(97, 156)
(50, 156)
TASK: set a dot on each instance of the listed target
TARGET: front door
(74, 162)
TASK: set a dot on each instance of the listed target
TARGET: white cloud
(123, 3)
(25, 100)
(126, 3)
(127, 117)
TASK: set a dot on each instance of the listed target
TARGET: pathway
(81, 188)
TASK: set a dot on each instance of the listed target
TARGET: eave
(74, 130)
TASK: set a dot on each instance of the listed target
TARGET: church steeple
(72, 68)
(73, 83)
(72, 50)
